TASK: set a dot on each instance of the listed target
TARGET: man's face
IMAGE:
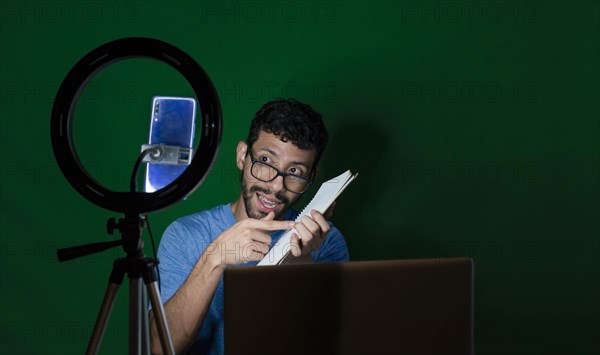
(261, 197)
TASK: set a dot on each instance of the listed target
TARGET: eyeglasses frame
(279, 173)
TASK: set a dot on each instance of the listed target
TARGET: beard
(249, 191)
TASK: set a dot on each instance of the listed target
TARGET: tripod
(138, 267)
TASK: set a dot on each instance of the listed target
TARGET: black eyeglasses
(266, 173)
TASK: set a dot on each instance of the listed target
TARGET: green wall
(474, 127)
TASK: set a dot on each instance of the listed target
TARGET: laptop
(421, 306)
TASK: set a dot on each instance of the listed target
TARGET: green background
(474, 127)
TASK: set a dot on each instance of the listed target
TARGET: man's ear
(241, 150)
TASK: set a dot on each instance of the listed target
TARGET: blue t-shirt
(186, 239)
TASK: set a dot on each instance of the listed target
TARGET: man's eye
(264, 159)
(295, 171)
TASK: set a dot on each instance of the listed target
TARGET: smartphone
(172, 122)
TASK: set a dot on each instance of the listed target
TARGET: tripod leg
(145, 326)
(160, 319)
(102, 320)
(135, 316)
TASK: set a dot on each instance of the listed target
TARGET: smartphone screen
(172, 123)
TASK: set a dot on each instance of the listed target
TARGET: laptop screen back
(372, 307)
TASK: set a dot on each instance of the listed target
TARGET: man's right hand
(245, 241)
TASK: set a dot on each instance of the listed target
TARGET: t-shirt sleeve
(334, 248)
(176, 258)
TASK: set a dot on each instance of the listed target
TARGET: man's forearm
(185, 311)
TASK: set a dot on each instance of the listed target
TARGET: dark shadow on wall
(364, 148)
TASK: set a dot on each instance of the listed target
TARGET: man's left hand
(312, 232)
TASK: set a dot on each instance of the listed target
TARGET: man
(278, 162)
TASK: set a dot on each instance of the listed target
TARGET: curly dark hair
(291, 120)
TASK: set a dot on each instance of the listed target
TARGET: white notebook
(326, 195)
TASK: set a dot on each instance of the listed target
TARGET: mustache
(280, 196)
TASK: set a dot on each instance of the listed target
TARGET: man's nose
(276, 185)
